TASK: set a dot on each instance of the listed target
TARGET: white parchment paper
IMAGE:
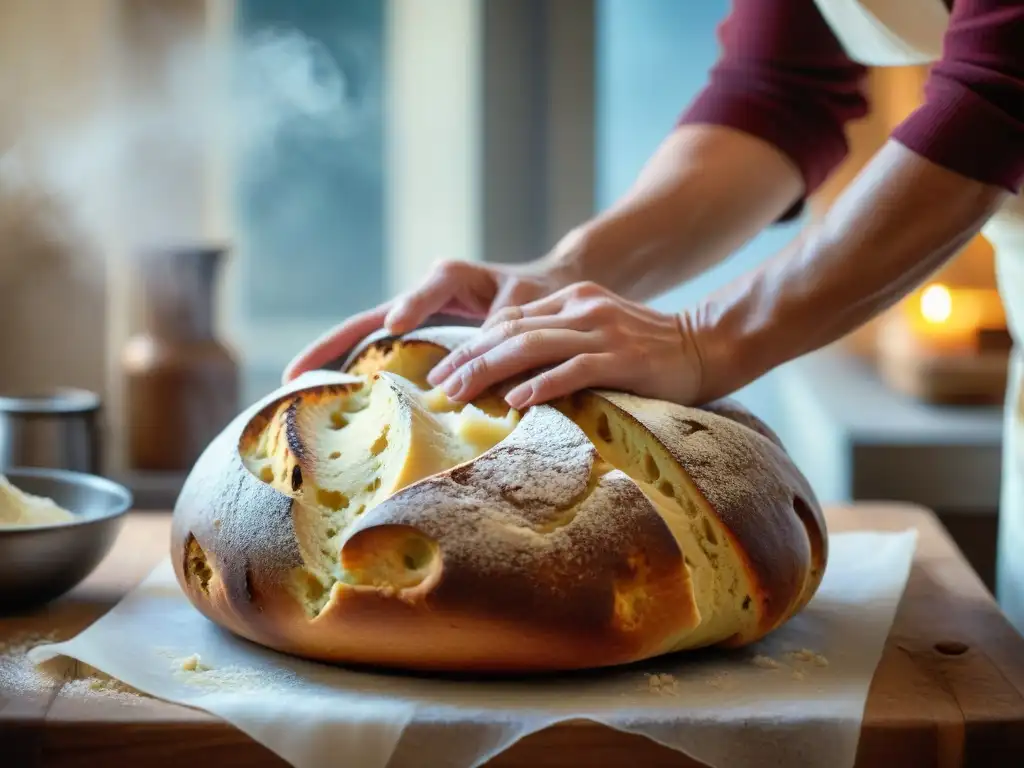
(796, 698)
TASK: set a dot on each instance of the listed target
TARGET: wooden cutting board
(949, 690)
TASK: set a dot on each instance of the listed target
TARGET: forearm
(704, 192)
(899, 221)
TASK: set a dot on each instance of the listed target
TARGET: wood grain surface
(949, 690)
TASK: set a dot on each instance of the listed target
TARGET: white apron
(907, 32)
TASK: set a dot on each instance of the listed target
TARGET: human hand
(581, 336)
(460, 288)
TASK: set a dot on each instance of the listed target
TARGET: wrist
(572, 258)
(736, 339)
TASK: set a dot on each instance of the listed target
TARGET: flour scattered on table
(19, 675)
(765, 662)
(91, 683)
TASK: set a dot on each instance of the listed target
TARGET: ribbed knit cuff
(959, 130)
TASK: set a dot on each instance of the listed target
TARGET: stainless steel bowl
(40, 563)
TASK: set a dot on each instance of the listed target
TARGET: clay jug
(181, 382)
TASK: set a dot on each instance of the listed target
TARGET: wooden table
(949, 690)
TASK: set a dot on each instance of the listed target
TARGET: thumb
(451, 282)
(335, 342)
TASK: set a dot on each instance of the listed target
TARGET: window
(472, 138)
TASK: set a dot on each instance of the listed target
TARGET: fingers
(488, 340)
(585, 370)
(335, 342)
(451, 281)
(522, 353)
(578, 293)
(514, 293)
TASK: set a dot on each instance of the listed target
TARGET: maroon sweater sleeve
(784, 77)
(972, 118)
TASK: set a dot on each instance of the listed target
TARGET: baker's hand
(458, 288)
(580, 336)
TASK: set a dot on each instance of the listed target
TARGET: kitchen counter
(949, 689)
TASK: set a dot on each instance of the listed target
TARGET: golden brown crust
(535, 555)
(750, 485)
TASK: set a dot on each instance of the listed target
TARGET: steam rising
(130, 169)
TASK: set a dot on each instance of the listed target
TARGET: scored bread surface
(362, 517)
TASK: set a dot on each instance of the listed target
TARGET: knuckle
(457, 357)
(584, 363)
(449, 268)
(586, 289)
(601, 309)
(531, 340)
(506, 328)
(478, 366)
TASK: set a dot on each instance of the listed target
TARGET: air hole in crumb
(689, 562)
(746, 603)
(709, 532)
(333, 499)
(267, 474)
(335, 455)
(417, 554)
(666, 488)
(338, 420)
(296, 477)
(196, 565)
(604, 430)
(314, 587)
(362, 508)
(651, 468)
(380, 443)
(331, 533)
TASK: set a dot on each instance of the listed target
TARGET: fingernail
(452, 386)
(394, 324)
(437, 375)
(518, 397)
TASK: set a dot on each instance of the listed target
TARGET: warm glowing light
(936, 303)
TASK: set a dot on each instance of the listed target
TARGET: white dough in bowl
(18, 508)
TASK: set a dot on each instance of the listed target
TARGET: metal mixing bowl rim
(53, 401)
(121, 507)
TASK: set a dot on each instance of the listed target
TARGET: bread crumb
(799, 675)
(765, 662)
(808, 656)
(662, 684)
(192, 664)
(232, 678)
(722, 681)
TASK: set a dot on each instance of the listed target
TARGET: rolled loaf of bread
(362, 517)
